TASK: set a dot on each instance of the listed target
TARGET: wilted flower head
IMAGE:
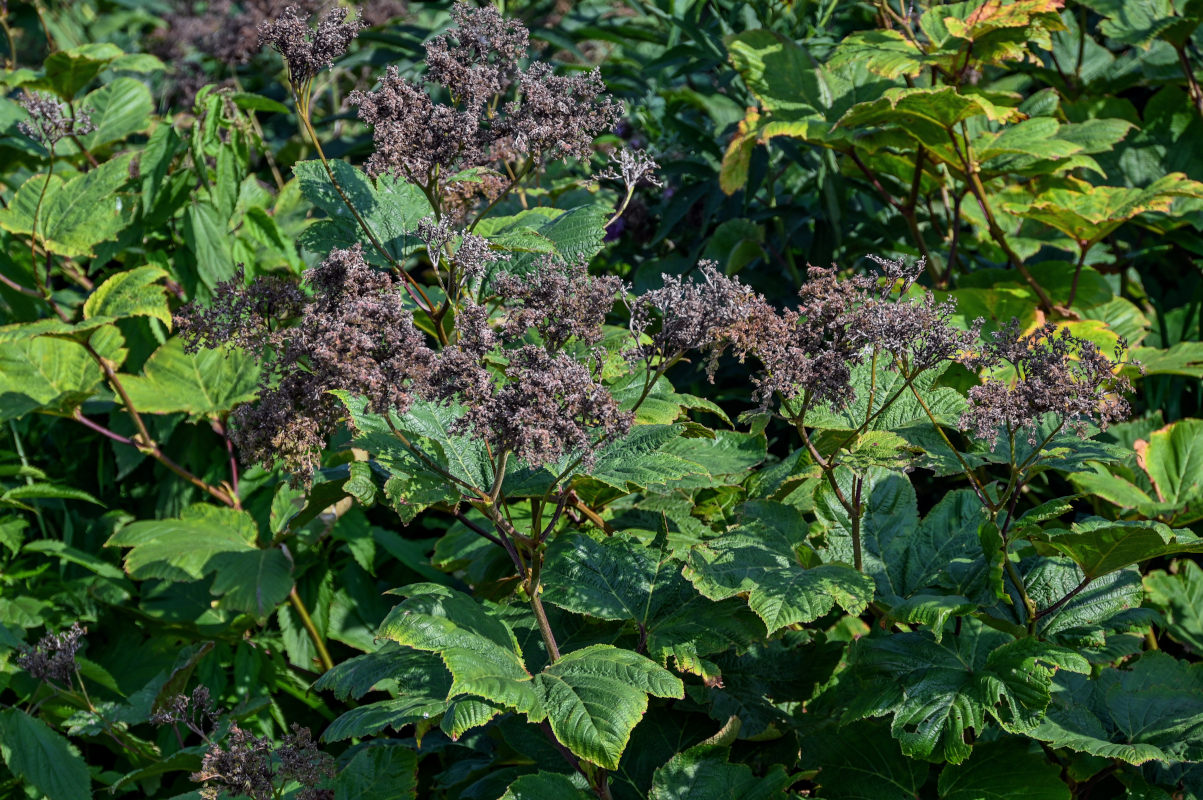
(47, 124)
(53, 657)
(307, 51)
(196, 711)
(354, 334)
(243, 767)
(477, 58)
(301, 761)
(1056, 373)
(470, 259)
(633, 166)
(240, 315)
(558, 116)
(560, 301)
(693, 315)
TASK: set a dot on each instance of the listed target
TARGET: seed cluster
(53, 657)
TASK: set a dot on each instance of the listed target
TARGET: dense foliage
(432, 400)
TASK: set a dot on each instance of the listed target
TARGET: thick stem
(858, 485)
(549, 639)
(322, 653)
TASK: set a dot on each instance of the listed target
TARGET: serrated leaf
(861, 761)
(759, 559)
(640, 459)
(544, 786)
(379, 772)
(201, 384)
(1179, 596)
(479, 650)
(1100, 546)
(594, 698)
(68, 71)
(132, 293)
(118, 108)
(1150, 711)
(890, 389)
(181, 549)
(254, 581)
(703, 773)
(42, 757)
(937, 693)
(1174, 461)
(1003, 770)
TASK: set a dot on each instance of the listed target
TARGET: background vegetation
(763, 603)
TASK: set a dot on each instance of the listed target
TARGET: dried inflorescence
(354, 334)
(227, 30)
(47, 123)
(301, 761)
(196, 711)
(560, 301)
(476, 63)
(693, 315)
(53, 657)
(242, 767)
(240, 315)
(308, 51)
(550, 405)
(470, 259)
(1057, 374)
(633, 167)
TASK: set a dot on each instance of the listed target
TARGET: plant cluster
(451, 409)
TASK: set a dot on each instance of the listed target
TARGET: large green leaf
(544, 786)
(642, 459)
(594, 698)
(75, 215)
(1003, 770)
(890, 388)
(760, 560)
(1100, 546)
(68, 71)
(42, 758)
(938, 693)
(703, 773)
(391, 208)
(620, 578)
(44, 372)
(201, 384)
(182, 549)
(254, 581)
(861, 761)
(1152, 710)
(479, 650)
(1174, 462)
(1179, 596)
(131, 293)
(119, 108)
(379, 772)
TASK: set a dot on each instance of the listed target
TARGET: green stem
(323, 654)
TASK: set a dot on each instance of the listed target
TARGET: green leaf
(44, 372)
(620, 578)
(391, 207)
(861, 762)
(132, 293)
(42, 758)
(201, 384)
(703, 773)
(1179, 596)
(641, 459)
(938, 693)
(1184, 358)
(890, 388)
(75, 215)
(207, 237)
(1150, 711)
(1100, 546)
(379, 772)
(479, 650)
(544, 786)
(760, 560)
(182, 549)
(120, 107)
(1174, 461)
(254, 581)
(68, 71)
(594, 698)
(1003, 770)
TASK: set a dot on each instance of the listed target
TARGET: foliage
(458, 450)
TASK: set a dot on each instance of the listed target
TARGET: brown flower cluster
(308, 51)
(475, 65)
(195, 711)
(1056, 374)
(353, 334)
(47, 125)
(53, 657)
(227, 30)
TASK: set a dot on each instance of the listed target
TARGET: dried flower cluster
(1056, 373)
(243, 767)
(53, 657)
(633, 166)
(195, 711)
(47, 123)
(227, 30)
(308, 51)
(353, 334)
(475, 64)
(468, 261)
